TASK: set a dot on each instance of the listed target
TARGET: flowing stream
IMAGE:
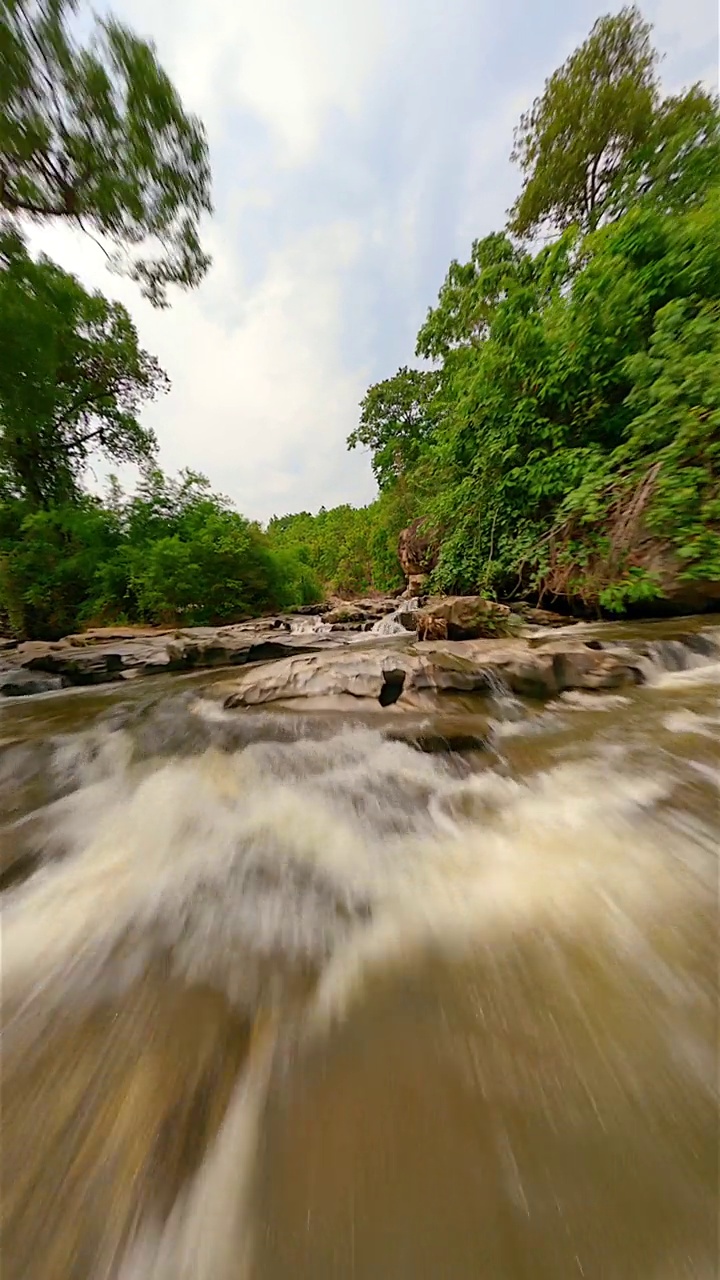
(286, 1000)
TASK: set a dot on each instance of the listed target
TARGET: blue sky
(357, 146)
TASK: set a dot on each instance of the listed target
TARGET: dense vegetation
(171, 552)
(97, 135)
(564, 436)
(561, 438)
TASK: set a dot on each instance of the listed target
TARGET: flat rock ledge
(102, 656)
(415, 677)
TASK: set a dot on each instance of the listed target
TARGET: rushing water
(285, 999)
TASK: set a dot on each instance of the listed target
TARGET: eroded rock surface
(96, 658)
(413, 677)
(464, 618)
(417, 556)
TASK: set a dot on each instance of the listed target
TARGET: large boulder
(416, 551)
(678, 594)
(464, 618)
(407, 677)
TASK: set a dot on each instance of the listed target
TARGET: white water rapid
(284, 998)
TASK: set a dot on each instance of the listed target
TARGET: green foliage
(49, 564)
(97, 134)
(396, 421)
(470, 296)
(72, 378)
(172, 553)
(594, 112)
(579, 387)
(679, 163)
(600, 137)
(349, 550)
(565, 441)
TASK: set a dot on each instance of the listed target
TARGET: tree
(470, 295)
(49, 561)
(97, 134)
(593, 367)
(396, 420)
(679, 162)
(72, 378)
(595, 112)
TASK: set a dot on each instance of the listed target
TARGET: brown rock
(346, 613)
(682, 595)
(417, 585)
(431, 628)
(542, 617)
(463, 618)
(416, 552)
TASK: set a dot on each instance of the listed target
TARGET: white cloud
(686, 26)
(263, 405)
(288, 63)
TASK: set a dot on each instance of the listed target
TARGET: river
(286, 1000)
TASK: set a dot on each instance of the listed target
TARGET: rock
(22, 683)
(404, 677)
(463, 618)
(451, 735)
(311, 610)
(416, 550)
(346, 613)
(152, 653)
(541, 617)
(417, 585)
(677, 595)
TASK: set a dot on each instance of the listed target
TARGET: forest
(557, 438)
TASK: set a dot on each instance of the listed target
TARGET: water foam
(346, 860)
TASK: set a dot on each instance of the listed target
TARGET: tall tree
(679, 162)
(470, 295)
(396, 420)
(72, 378)
(596, 110)
(97, 134)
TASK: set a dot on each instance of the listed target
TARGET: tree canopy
(96, 133)
(569, 419)
(599, 135)
(73, 378)
(395, 420)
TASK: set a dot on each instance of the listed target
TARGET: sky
(357, 147)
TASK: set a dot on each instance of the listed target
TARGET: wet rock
(149, 653)
(312, 610)
(21, 683)
(441, 738)
(345, 614)
(463, 618)
(406, 677)
(541, 617)
(417, 554)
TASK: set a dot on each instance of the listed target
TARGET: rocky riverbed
(363, 656)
